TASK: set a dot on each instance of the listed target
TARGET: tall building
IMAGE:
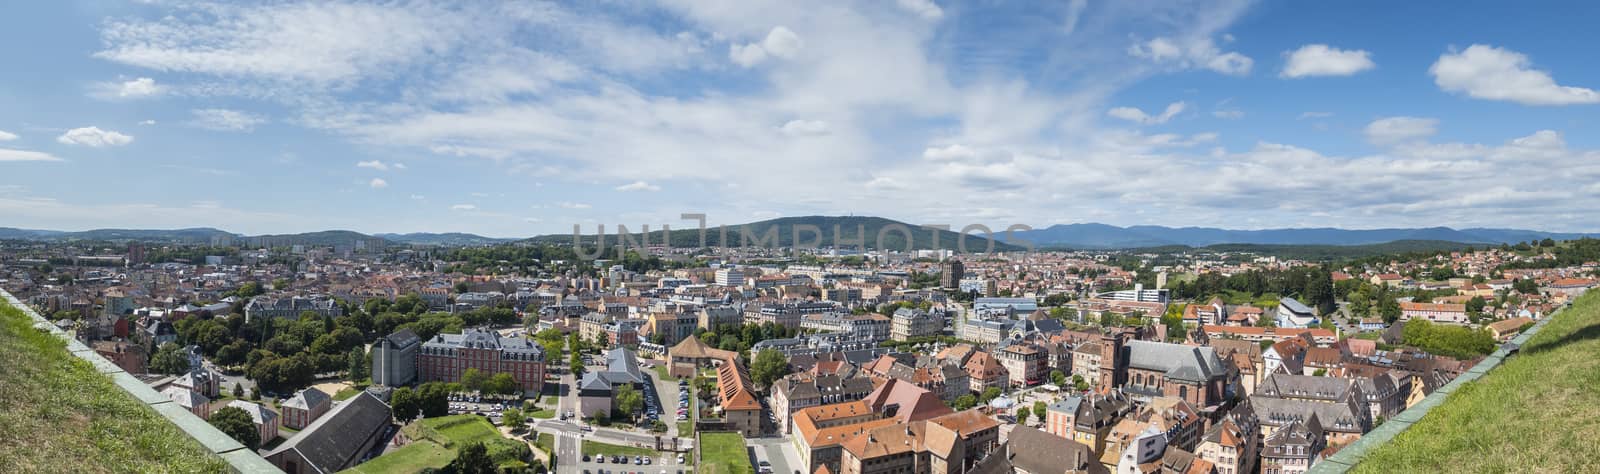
(950, 274)
(394, 359)
(445, 357)
(730, 277)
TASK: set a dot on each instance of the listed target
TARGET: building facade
(445, 357)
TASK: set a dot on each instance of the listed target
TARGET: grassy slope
(1538, 412)
(60, 415)
(724, 453)
(595, 447)
(436, 440)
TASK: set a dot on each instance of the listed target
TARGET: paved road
(777, 451)
(567, 453)
(667, 392)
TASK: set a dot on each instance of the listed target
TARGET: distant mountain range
(850, 228)
(1102, 236)
(452, 239)
(1075, 236)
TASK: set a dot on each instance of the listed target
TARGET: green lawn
(546, 442)
(1537, 412)
(724, 453)
(346, 394)
(436, 440)
(594, 447)
(547, 413)
(61, 415)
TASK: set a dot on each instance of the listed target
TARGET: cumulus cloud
(924, 8)
(226, 120)
(7, 154)
(378, 183)
(1323, 60)
(1194, 53)
(377, 165)
(7, 136)
(803, 128)
(1138, 116)
(94, 137)
(638, 186)
(1392, 130)
(1491, 73)
(780, 43)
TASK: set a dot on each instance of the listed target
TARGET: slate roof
(307, 399)
(1177, 361)
(337, 440)
(1036, 451)
(258, 414)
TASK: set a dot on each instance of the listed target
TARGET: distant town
(340, 354)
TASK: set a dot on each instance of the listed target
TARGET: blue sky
(527, 118)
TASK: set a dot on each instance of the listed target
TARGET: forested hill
(850, 230)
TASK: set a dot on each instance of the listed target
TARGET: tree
(1079, 383)
(472, 459)
(170, 359)
(601, 419)
(473, 379)
(1040, 410)
(1058, 378)
(502, 383)
(1022, 414)
(404, 404)
(576, 365)
(433, 399)
(512, 417)
(255, 394)
(238, 390)
(629, 401)
(280, 283)
(964, 402)
(357, 365)
(1110, 319)
(768, 367)
(236, 423)
(989, 394)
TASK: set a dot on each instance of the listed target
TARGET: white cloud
(147, 122)
(780, 42)
(638, 186)
(1229, 114)
(574, 205)
(463, 207)
(1194, 53)
(1392, 130)
(141, 87)
(924, 8)
(94, 137)
(804, 128)
(7, 154)
(1138, 116)
(1487, 72)
(378, 183)
(373, 164)
(1306, 115)
(226, 120)
(1322, 60)
(7, 136)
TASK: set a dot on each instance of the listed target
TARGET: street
(781, 453)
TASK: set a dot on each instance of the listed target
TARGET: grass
(724, 453)
(545, 414)
(434, 446)
(593, 447)
(61, 415)
(546, 442)
(346, 394)
(1537, 412)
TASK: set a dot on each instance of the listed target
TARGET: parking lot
(662, 464)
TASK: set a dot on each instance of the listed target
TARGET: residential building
(1026, 364)
(741, 411)
(1435, 312)
(730, 277)
(447, 356)
(909, 323)
(1293, 448)
(131, 358)
(1030, 451)
(985, 371)
(290, 307)
(799, 391)
(266, 421)
(1232, 445)
(597, 389)
(305, 407)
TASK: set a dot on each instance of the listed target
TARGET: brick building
(445, 357)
